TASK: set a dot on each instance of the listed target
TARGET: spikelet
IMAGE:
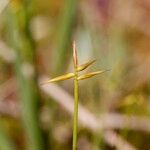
(84, 66)
(77, 69)
(61, 78)
(89, 75)
(75, 59)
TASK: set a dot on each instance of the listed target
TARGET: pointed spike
(89, 75)
(61, 78)
(84, 66)
(75, 59)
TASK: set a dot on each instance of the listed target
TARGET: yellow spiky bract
(75, 58)
(84, 66)
(91, 74)
(61, 78)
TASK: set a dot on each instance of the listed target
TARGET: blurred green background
(36, 43)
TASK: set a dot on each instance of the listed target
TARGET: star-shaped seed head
(78, 69)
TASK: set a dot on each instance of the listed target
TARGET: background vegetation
(35, 44)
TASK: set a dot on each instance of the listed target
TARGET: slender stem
(75, 117)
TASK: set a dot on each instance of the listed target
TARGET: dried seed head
(75, 59)
(89, 75)
(61, 78)
(84, 66)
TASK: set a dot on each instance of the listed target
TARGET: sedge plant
(75, 75)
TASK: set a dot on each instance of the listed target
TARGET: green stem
(75, 117)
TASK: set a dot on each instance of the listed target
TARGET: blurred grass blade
(5, 142)
(19, 36)
(61, 78)
(89, 75)
(84, 66)
(64, 36)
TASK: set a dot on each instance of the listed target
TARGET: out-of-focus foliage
(35, 40)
